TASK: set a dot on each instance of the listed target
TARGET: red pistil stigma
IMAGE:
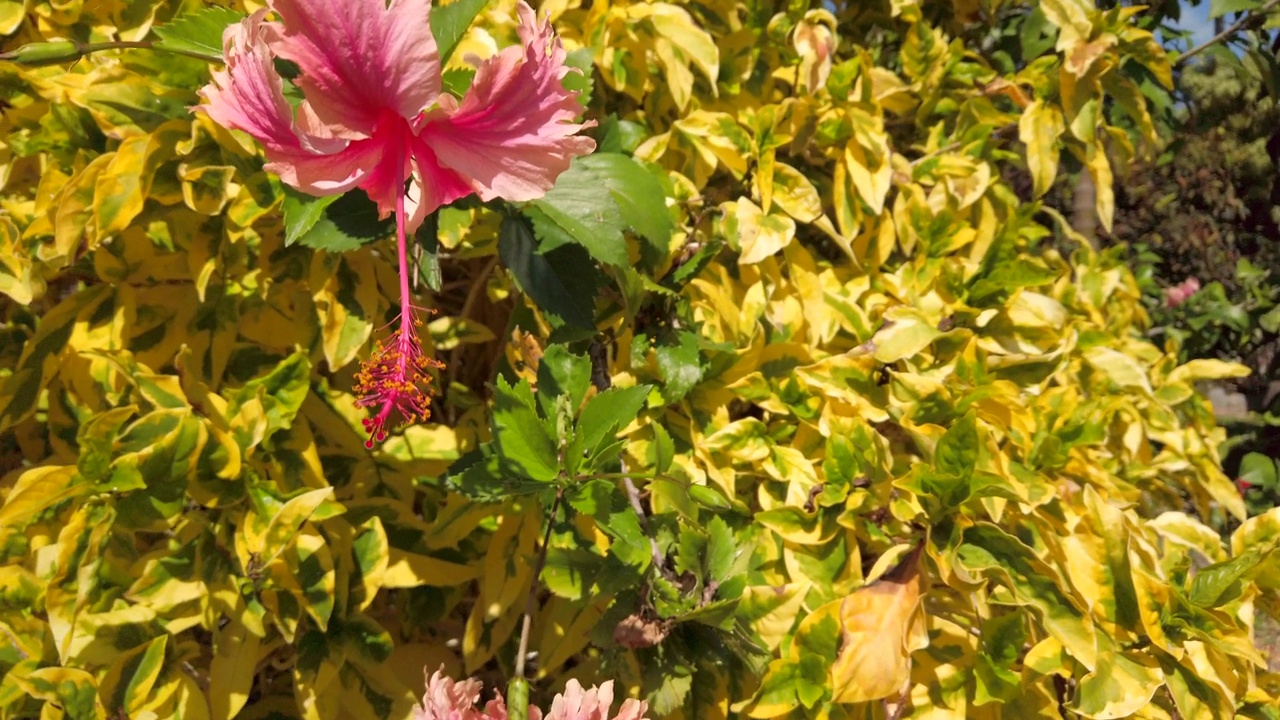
(395, 381)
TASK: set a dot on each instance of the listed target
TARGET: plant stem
(402, 256)
(78, 50)
(523, 651)
(1232, 30)
(633, 495)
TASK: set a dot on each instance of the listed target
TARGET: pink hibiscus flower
(374, 117)
(446, 699)
(1180, 293)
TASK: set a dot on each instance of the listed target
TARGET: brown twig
(531, 602)
(1234, 28)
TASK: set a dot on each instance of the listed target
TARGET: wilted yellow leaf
(880, 626)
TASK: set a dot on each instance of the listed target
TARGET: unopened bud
(517, 699)
(44, 53)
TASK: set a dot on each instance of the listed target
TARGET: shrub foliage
(798, 408)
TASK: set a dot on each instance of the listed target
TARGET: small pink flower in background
(578, 704)
(449, 700)
(1178, 294)
(374, 117)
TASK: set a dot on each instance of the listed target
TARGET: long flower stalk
(395, 379)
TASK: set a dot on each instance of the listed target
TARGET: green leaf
(1037, 34)
(457, 81)
(574, 216)
(721, 551)
(335, 223)
(614, 515)
(199, 32)
(663, 450)
(429, 259)
(1011, 274)
(539, 279)
(609, 412)
(682, 273)
(680, 365)
(619, 136)
(957, 450)
(1258, 470)
(595, 200)
(450, 22)
(561, 373)
(301, 213)
(1218, 8)
(522, 440)
(1217, 584)
(481, 475)
(581, 82)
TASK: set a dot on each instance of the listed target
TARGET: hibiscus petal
(247, 94)
(449, 700)
(513, 134)
(433, 185)
(575, 703)
(321, 174)
(360, 57)
(632, 709)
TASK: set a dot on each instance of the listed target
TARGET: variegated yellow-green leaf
(1039, 128)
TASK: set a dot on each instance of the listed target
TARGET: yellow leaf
(504, 580)
(77, 559)
(1121, 369)
(1103, 184)
(129, 681)
(795, 194)
(232, 669)
(284, 525)
(674, 25)
(17, 279)
(1081, 56)
(815, 43)
(904, 336)
(1206, 369)
(121, 189)
(773, 610)
(39, 489)
(72, 219)
(1072, 19)
(880, 626)
(1039, 129)
(74, 690)
(190, 703)
(870, 171)
(207, 188)
(11, 14)
(566, 630)
(410, 569)
(761, 236)
(679, 77)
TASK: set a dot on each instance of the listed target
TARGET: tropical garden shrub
(781, 403)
